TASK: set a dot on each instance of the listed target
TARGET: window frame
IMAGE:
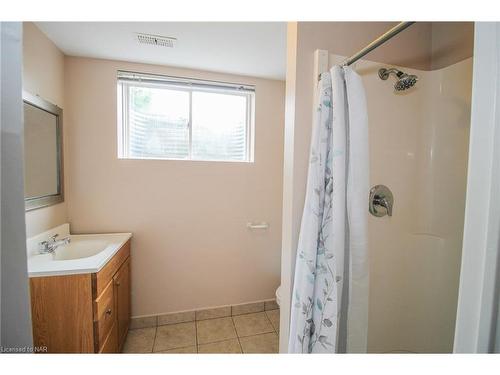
(187, 85)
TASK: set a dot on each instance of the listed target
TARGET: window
(174, 118)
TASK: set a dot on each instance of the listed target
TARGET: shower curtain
(329, 312)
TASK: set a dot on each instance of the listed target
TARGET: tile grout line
(274, 329)
(181, 347)
(218, 341)
(154, 340)
(272, 325)
(237, 335)
(236, 331)
(196, 337)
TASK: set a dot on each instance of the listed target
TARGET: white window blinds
(176, 118)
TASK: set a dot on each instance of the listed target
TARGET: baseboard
(202, 314)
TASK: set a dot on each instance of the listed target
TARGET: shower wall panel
(418, 148)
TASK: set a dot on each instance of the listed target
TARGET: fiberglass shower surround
(417, 148)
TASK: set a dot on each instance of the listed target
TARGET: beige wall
(191, 247)
(396, 153)
(424, 45)
(451, 42)
(43, 75)
(409, 48)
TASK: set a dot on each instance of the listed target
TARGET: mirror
(42, 152)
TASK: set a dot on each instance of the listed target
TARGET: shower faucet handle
(380, 197)
(383, 202)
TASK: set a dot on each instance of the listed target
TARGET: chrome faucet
(49, 246)
(380, 197)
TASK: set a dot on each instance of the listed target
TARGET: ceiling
(247, 48)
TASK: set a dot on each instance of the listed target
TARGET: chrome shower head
(404, 82)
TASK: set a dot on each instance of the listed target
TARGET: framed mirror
(43, 164)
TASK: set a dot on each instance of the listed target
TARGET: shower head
(404, 82)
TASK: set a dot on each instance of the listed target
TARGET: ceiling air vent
(156, 40)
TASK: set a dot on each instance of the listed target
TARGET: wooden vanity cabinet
(85, 313)
(121, 282)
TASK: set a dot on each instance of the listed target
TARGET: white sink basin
(80, 247)
(86, 253)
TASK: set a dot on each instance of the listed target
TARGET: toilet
(278, 296)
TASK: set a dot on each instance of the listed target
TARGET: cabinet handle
(108, 311)
(117, 283)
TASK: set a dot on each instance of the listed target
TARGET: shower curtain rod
(377, 42)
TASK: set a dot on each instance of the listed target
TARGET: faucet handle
(380, 196)
(384, 202)
(53, 238)
(43, 246)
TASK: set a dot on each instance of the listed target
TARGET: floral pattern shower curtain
(330, 294)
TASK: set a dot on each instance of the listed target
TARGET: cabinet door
(122, 295)
(111, 344)
(105, 315)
